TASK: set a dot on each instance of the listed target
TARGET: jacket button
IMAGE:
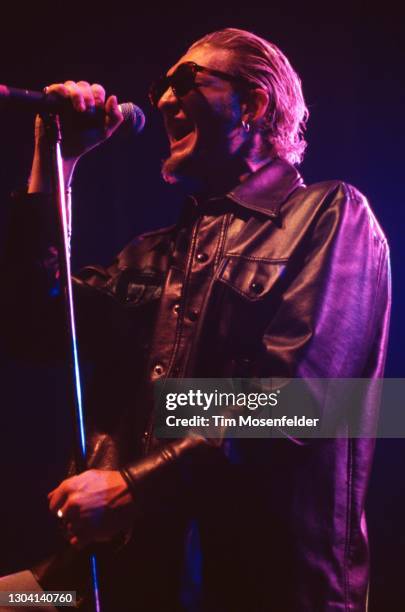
(158, 369)
(201, 257)
(256, 287)
(176, 307)
(193, 315)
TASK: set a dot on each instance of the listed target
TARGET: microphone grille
(133, 115)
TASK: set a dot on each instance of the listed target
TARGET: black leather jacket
(275, 279)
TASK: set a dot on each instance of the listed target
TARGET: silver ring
(59, 514)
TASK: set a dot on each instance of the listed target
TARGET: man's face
(203, 126)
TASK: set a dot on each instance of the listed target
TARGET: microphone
(133, 116)
(39, 102)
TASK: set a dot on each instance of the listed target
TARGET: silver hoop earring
(246, 125)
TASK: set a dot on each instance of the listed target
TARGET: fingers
(92, 505)
(82, 95)
(70, 511)
(114, 116)
(81, 536)
(58, 89)
(80, 137)
(58, 496)
(79, 533)
(63, 503)
(98, 92)
(78, 538)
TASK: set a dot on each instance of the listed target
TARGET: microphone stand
(54, 138)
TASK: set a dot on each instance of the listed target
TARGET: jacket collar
(265, 190)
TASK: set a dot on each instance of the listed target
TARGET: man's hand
(94, 506)
(78, 138)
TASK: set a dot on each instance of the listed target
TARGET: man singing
(262, 276)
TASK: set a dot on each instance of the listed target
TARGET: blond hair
(262, 64)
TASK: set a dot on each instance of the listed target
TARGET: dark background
(351, 63)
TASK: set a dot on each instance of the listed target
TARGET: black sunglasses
(183, 80)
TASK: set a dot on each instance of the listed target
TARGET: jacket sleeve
(333, 315)
(32, 310)
(331, 321)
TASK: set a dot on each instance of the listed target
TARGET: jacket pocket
(251, 278)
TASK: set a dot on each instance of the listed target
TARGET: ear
(255, 105)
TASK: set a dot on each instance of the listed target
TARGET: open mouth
(179, 132)
(174, 144)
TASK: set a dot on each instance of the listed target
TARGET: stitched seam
(348, 523)
(268, 213)
(220, 248)
(183, 296)
(371, 320)
(221, 242)
(252, 258)
(242, 293)
(139, 274)
(351, 193)
(252, 299)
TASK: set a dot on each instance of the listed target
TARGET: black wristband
(129, 482)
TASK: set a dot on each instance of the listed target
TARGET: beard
(199, 160)
(175, 168)
(192, 166)
(182, 164)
